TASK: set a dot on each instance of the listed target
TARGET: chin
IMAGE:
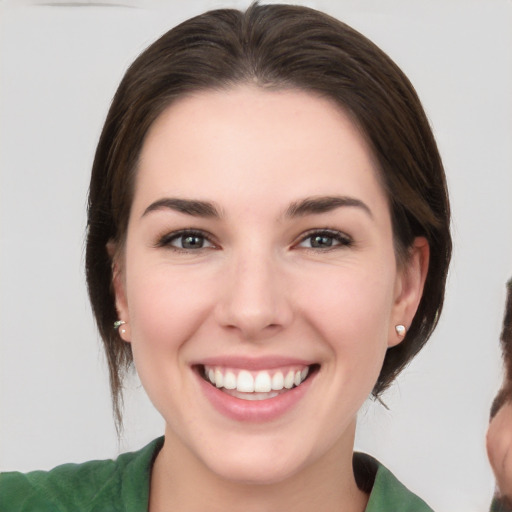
(256, 472)
(258, 462)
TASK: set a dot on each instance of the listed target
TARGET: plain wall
(59, 67)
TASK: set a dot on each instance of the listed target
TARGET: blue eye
(186, 240)
(325, 239)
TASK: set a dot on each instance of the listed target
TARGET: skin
(260, 287)
(499, 449)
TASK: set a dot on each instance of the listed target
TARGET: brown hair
(505, 393)
(274, 46)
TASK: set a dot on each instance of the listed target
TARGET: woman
(499, 434)
(268, 241)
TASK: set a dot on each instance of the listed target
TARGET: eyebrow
(192, 207)
(307, 206)
(323, 204)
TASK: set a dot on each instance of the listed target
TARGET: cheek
(166, 306)
(352, 318)
(353, 309)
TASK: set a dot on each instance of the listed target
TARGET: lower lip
(254, 410)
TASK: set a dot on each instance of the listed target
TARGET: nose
(254, 300)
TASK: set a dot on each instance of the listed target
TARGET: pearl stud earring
(400, 330)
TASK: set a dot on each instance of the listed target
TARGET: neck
(180, 483)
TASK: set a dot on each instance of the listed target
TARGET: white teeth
(289, 380)
(255, 382)
(230, 380)
(219, 378)
(245, 382)
(262, 383)
(277, 381)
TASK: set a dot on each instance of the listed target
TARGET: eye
(186, 240)
(325, 239)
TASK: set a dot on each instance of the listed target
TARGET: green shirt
(500, 505)
(123, 485)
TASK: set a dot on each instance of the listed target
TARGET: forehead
(249, 139)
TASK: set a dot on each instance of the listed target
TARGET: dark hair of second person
(505, 393)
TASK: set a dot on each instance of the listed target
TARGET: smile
(255, 390)
(255, 385)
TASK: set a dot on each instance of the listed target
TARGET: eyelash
(341, 239)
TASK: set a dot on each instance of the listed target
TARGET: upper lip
(253, 363)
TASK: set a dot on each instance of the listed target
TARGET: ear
(409, 286)
(119, 287)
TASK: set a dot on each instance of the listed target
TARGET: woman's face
(259, 255)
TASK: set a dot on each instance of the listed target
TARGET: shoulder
(387, 493)
(120, 484)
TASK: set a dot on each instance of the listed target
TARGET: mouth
(256, 385)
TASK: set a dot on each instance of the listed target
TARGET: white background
(59, 67)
